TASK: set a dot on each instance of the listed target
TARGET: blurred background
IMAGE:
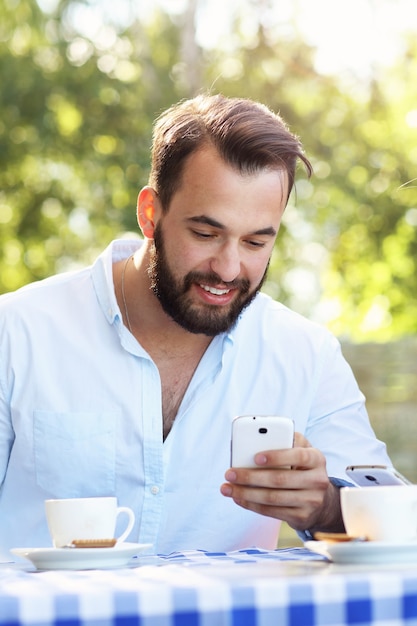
(82, 81)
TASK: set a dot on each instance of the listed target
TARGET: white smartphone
(375, 475)
(257, 433)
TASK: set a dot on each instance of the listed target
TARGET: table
(287, 587)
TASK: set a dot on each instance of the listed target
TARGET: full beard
(175, 299)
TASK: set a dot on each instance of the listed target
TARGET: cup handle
(131, 521)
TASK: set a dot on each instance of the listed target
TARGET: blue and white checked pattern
(289, 587)
(250, 555)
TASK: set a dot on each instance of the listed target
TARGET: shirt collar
(102, 274)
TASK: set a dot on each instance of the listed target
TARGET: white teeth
(216, 292)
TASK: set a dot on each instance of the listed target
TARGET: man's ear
(147, 199)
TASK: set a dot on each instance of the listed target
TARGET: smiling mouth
(214, 291)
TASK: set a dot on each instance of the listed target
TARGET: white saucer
(365, 553)
(81, 558)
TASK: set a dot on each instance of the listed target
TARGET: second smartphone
(375, 475)
(256, 433)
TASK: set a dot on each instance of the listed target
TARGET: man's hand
(301, 496)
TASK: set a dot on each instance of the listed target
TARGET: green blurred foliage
(75, 130)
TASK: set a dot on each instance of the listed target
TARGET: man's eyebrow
(208, 221)
(271, 232)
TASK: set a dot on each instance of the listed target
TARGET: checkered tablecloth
(250, 555)
(291, 587)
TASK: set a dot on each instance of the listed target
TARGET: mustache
(213, 280)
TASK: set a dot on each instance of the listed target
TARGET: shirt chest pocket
(75, 453)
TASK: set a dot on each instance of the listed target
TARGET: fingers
(295, 468)
(301, 456)
(288, 484)
(298, 507)
(276, 479)
(245, 483)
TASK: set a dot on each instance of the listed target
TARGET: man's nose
(227, 262)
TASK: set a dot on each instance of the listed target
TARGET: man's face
(175, 295)
(211, 250)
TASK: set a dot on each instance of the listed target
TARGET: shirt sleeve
(6, 428)
(338, 423)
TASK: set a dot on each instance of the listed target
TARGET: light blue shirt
(80, 412)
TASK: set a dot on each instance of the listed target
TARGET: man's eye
(202, 235)
(256, 244)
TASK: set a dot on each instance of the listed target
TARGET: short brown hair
(247, 135)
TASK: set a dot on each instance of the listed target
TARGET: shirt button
(154, 490)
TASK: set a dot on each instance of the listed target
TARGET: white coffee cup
(384, 513)
(85, 518)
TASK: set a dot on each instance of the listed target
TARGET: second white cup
(85, 518)
(385, 513)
